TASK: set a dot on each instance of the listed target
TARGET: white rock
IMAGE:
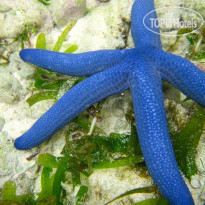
(2, 122)
(4, 7)
(9, 86)
(65, 10)
(102, 28)
(25, 13)
(8, 159)
(195, 181)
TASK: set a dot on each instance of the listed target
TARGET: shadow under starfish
(140, 69)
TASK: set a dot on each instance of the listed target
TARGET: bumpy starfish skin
(112, 71)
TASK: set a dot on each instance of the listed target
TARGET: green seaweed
(41, 96)
(50, 200)
(80, 197)
(99, 152)
(24, 36)
(96, 152)
(45, 2)
(196, 49)
(184, 31)
(105, 164)
(156, 201)
(9, 191)
(149, 189)
(5, 58)
(63, 35)
(4, 64)
(41, 41)
(47, 189)
(76, 161)
(83, 153)
(196, 39)
(186, 141)
(59, 177)
(45, 176)
(48, 80)
(63, 165)
(49, 161)
(48, 83)
(9, 196)
(199, 56)
(71, 49)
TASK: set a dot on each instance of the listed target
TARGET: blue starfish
(113, 71)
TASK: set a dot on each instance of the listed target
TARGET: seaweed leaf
(27, 199)
(5, 58)
(199, 56)
(47, 190)
(157, 201)
(135, 191)
(63, 35)
(9, 191)
(45, 176)
(8, 202)
(41, 41)
(184, 31)
(45, 2)
(82, 122)
(45, 95)
(9, 196)
(118, 162)
(60, 177)
(186, 141)
(102, 152)
(48, 160)
(50, 200)
(71, 49)
(75, 171)
(80, 197)
(48, 80)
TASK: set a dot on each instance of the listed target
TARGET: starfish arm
(140, 34)
(182, 74)
(76, 100)
(83, 64)
(156, 145)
